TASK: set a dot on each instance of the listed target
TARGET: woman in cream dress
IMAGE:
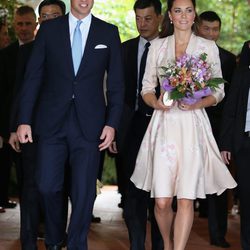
(178, 155)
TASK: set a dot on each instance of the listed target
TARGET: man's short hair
(25, 9)
(59, 3)
(142, 4)
(209, 16)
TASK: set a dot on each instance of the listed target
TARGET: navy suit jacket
(50, 81)
(245, 55)
(234, 113)
(228, 65)
(8, 60)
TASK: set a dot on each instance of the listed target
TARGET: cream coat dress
(178, 155)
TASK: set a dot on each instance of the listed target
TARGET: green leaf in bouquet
(175, 95)
(203, 56)
(214, 82)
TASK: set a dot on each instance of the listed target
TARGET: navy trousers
(83, 156)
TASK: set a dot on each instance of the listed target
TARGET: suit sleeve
(115, 81)
(32, 79)
(229, 113)
(245, 54)
(23, 55)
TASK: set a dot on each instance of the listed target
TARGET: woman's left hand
(186, 107)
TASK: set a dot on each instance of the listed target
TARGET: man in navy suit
(31, 219)
(72, 120)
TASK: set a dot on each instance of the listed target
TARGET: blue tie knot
(78, 24)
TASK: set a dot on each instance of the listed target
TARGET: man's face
(4, 37)
(147, 22)
(209, 30)
(49, 12)
(81, 8)
(25, 26)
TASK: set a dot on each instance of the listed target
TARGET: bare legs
(164, 217)
(182, 225)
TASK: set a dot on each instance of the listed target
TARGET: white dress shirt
(84, 27)
(247, 127)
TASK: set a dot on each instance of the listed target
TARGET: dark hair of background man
(59, 3)
(209, 16)
(142, 4)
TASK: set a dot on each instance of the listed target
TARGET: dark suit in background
(133, 126)
(30, 205)
(218, 205)
(29, 197)
(245, 54)
(69, 118)
(8, 61)
(234, 139)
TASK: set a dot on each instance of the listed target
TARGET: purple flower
(189, 78)
(166, 86)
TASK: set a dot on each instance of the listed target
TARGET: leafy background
(234, 15)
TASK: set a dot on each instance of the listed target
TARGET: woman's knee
(163, 204)
(185, 204)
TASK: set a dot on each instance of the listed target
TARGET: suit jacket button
(75, 82)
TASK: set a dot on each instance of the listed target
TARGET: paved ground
(111, 233)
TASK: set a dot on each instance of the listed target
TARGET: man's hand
(113, 148)
(108, 135)
(14, 142)
(24, 133)
(226, 156)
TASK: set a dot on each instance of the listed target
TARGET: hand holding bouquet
(188, 79)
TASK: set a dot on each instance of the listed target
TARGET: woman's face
(182, 14)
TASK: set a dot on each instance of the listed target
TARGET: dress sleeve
(149, 81)
(214, 59)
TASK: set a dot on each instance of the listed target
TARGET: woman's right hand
(159, 105)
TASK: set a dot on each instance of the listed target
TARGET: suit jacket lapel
(93, 31)
(67, 44)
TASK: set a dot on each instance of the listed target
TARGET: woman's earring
(171, 21)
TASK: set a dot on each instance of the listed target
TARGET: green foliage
(120, 13)
(109, 171)
(233, 14)
(7, 9)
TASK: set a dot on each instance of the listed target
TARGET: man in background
(135, 119)
(31, 212)
(24, 26)
(209, 27)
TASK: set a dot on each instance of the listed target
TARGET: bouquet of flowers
(189, 79)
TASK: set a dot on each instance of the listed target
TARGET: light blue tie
(77, 46)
